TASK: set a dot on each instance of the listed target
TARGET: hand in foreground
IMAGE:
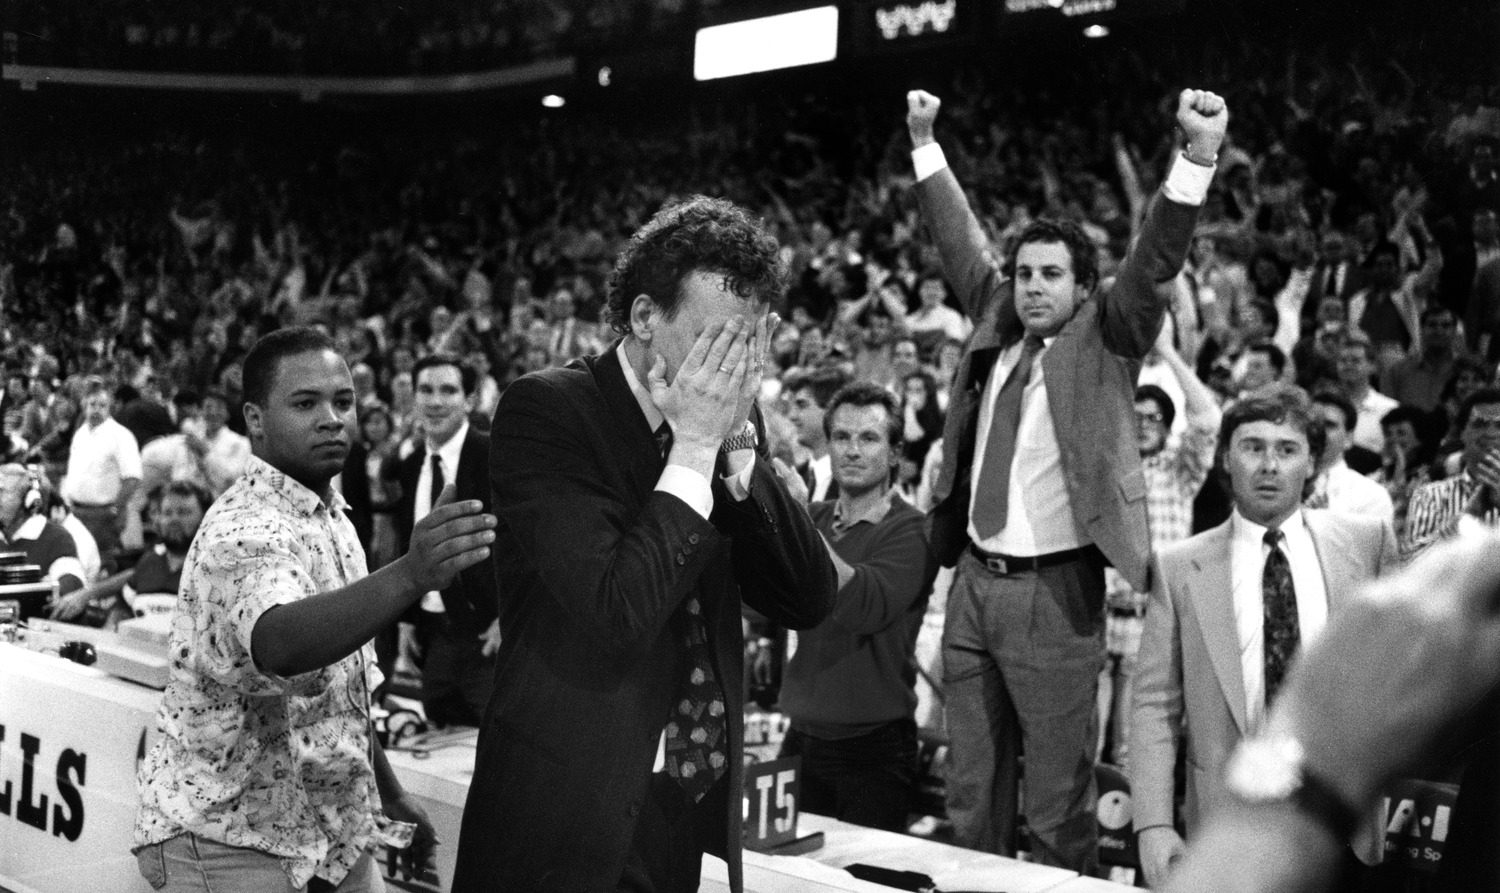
(1204, 119)
(1398, 668)
(921, 111)
(702, 403)
(452, 538)
(1159, 848)
(415, 857)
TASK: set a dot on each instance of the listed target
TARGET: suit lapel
(1212, 593)
(627, 424)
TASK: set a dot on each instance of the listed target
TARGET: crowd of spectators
(1349, 243)
(328, 37)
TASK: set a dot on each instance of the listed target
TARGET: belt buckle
(996, 565)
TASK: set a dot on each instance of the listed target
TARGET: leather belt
(1002, 565)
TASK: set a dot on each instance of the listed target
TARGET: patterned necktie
(696, 752)
(1000, 449)
(437, 481)
(1279, 600)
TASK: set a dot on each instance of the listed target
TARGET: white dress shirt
(448, 455)
(1039, 518)
(1352, 493)
(1248, 553)
(100, 458)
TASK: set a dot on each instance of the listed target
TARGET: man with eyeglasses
(1437, 508)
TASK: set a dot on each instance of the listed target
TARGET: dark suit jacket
(593, 565)
(1090, 370)
(1354, 280)
(470, 600)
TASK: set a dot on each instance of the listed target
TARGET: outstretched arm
(968, 264)
(1132, 310)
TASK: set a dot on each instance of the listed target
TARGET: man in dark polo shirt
(848, 685)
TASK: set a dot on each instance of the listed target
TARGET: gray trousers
(1021, 661)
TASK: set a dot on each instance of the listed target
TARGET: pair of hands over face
(710, 397)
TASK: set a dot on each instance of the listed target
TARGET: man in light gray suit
(1231, 607)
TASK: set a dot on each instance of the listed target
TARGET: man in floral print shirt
(266, 777)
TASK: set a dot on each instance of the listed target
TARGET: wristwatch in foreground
(746, 439)
(1272, 768)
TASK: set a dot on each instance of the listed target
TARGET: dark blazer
(1090, 370)
(470, 600)
(1354, 280)
(593, 564)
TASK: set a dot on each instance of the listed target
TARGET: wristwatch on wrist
(746, 439)
(1272, 768)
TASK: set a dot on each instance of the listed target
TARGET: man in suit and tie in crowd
(456, 632)
(1041, 487)
(810, 393)
(571, 337)
(1335, 275)
(637, 513)
(1229, 609)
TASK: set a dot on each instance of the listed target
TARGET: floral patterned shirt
(247, 758)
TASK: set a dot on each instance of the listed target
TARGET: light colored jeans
(191, 864)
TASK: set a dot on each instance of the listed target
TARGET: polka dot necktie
(695, 732)
(1279, 599)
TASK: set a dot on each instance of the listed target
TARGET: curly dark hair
(697, 234)
(1080, 247)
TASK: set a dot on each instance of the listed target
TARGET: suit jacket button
(693, 538)
(635, 809)
(681, 559)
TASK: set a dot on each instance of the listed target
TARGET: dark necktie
(1279, 600)
(663, 436)
(695, 740)
(1332, 289)
(437, 481)
(1000, 449)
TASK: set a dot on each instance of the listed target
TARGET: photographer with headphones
(26, 529)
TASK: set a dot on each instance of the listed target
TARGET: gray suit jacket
(1090, 371)
(1188, 680)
